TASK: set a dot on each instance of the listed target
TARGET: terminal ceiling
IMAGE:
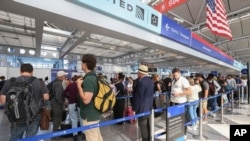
(22, 28)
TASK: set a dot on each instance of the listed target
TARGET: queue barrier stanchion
(232, 100)
(152, 121)
(222, 107)
(242, 94)
(201, 118)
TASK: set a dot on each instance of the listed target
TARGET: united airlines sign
(131, 11)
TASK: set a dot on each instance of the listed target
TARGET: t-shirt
(88, 111)
(177, 87)
(195, 89)
(204, 86)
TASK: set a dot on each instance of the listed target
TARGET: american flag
(216, 18)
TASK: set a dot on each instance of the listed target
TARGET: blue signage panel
(215, 73)
(244, 71)
(175, 123)
(199, 46)
(133, 11)
(174, 31)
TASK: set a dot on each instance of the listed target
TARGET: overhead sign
(244, 71)
(132, 11)
(167, 5)
(203, 46)
(174, 31)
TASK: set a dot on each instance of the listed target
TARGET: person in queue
(20, 130)
(179, 90)
(143, 95)
(87, 89)
(57, 102)
(203, 94)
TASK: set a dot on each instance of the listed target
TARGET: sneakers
(192, 128)
(75, 138)
(213, 115)
(204, 122)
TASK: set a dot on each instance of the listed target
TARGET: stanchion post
(222, 107)
(238, 96)
(242, 94)
(152, 121)
(232, 103)
(201, 118)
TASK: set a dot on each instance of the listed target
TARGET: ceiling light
(46, 47)
(56, 31)
(31, 52)
(178, 20)
(22, 51)
(54, 54)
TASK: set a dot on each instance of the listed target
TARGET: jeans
(144, 125)
(167, 98)
(73, 116)
(213, 103)
(17, 130)
(80, 119)
(192, 112)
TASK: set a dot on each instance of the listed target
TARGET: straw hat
(143, 69)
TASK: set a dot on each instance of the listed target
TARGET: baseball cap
(61, 73)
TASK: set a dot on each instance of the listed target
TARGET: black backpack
(50, 88)
(21, 105)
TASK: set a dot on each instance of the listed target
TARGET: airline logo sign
(132, 11)
(167, 5)
(174, 31)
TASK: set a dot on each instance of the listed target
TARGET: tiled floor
(214, 130)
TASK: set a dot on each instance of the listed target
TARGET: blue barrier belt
(123, 97)
(73, 130)
(105, 123)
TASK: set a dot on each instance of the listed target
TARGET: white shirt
(194, 93)
(177, 87)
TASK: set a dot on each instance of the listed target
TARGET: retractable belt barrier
(110, 122)
(73, 130)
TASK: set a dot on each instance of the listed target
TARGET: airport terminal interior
(53, 35)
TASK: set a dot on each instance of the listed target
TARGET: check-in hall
(153, 60)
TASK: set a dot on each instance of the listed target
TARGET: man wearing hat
(143, 100)
(57, 102)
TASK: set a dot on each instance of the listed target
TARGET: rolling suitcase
(128, 111)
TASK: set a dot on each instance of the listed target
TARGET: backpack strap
(31, 79)
(12, 80)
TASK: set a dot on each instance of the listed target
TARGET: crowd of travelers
(146, 92)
